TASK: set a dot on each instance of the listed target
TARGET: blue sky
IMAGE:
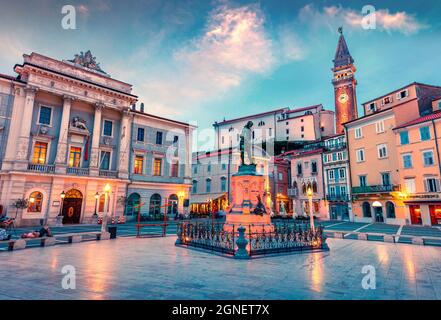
(201, 61)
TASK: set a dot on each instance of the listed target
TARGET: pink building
(306, 171)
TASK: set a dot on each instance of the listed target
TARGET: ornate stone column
(61, 158)
(14, 129)
(124, 147)
(94, 156)
(22, 150)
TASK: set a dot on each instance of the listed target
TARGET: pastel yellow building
(374, 156)
(418, 144)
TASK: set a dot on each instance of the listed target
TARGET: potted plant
(20, 204)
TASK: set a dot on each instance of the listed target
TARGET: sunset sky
(201, 61)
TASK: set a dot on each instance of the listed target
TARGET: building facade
(212, 172)
(279, 184)
(307, 172)
(373, 153)
(160, 167)
(63, 115)
(418, 146)
(65, 130)
(336, 177)
(281, 125)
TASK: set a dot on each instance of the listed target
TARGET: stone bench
(47, 241)
(338, 235)
(418, 241)
(78, 237)
(389, 238)
(362, 236)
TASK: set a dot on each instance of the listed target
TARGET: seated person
(30, 235)
(43, 232)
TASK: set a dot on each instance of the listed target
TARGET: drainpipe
(348, 154)
(437, 146)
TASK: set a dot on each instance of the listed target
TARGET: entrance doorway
(435, 214)
(72, 205)
(173, 201)
(379, 214)
(415, 214)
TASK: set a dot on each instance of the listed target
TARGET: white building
(212, 173)
(280, 125)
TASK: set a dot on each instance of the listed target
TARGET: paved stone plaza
(154, 268)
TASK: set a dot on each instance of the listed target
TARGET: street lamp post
(311, 216)
(106, 208)
(210, 208)
(97, 196)
(60, 214)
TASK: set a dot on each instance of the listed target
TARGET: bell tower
(344, 85)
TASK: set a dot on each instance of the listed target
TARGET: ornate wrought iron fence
(286, 237)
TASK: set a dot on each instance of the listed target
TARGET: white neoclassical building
(66, 133)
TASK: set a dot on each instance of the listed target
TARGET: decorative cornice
(67, 97)
(31, 89)
(99, 106)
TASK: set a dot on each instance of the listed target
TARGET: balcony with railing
(375, 189)
(108, 173)
(336, 146)
(337, 197)
(43, 168)
(77, 171)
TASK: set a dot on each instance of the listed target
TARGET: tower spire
(344, 84)
(342, 55)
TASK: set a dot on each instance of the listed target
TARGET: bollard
(241, 242)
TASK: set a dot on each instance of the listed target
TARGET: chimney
(142, 107)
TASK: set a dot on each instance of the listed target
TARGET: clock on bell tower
(344, 85)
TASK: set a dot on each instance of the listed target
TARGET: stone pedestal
(246, 186)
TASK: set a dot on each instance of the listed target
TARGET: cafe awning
(205, 198)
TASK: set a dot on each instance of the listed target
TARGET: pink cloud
(334, 16)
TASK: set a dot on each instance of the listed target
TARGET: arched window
(261, 124)
(101, 203)
(35, 202)
(314, 167)
(294, 185)
(390, 210)
(367, 210)
(155, 204)
(133, 202)
(195, 187)
(223, 184)
(304, 188)
(208, 186)
(314, 187)
(173, 201)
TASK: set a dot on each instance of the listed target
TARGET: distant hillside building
(299, 125)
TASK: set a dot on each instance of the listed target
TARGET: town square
(242, 150)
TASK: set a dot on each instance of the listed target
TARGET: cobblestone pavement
(154, 268)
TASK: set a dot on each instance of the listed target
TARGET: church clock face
(343, 98)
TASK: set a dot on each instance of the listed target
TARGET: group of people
(6, 223)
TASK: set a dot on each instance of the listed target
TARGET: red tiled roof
(430, 117)
(333, 136)
(250, 116)
(302, 153)
(305, 108)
